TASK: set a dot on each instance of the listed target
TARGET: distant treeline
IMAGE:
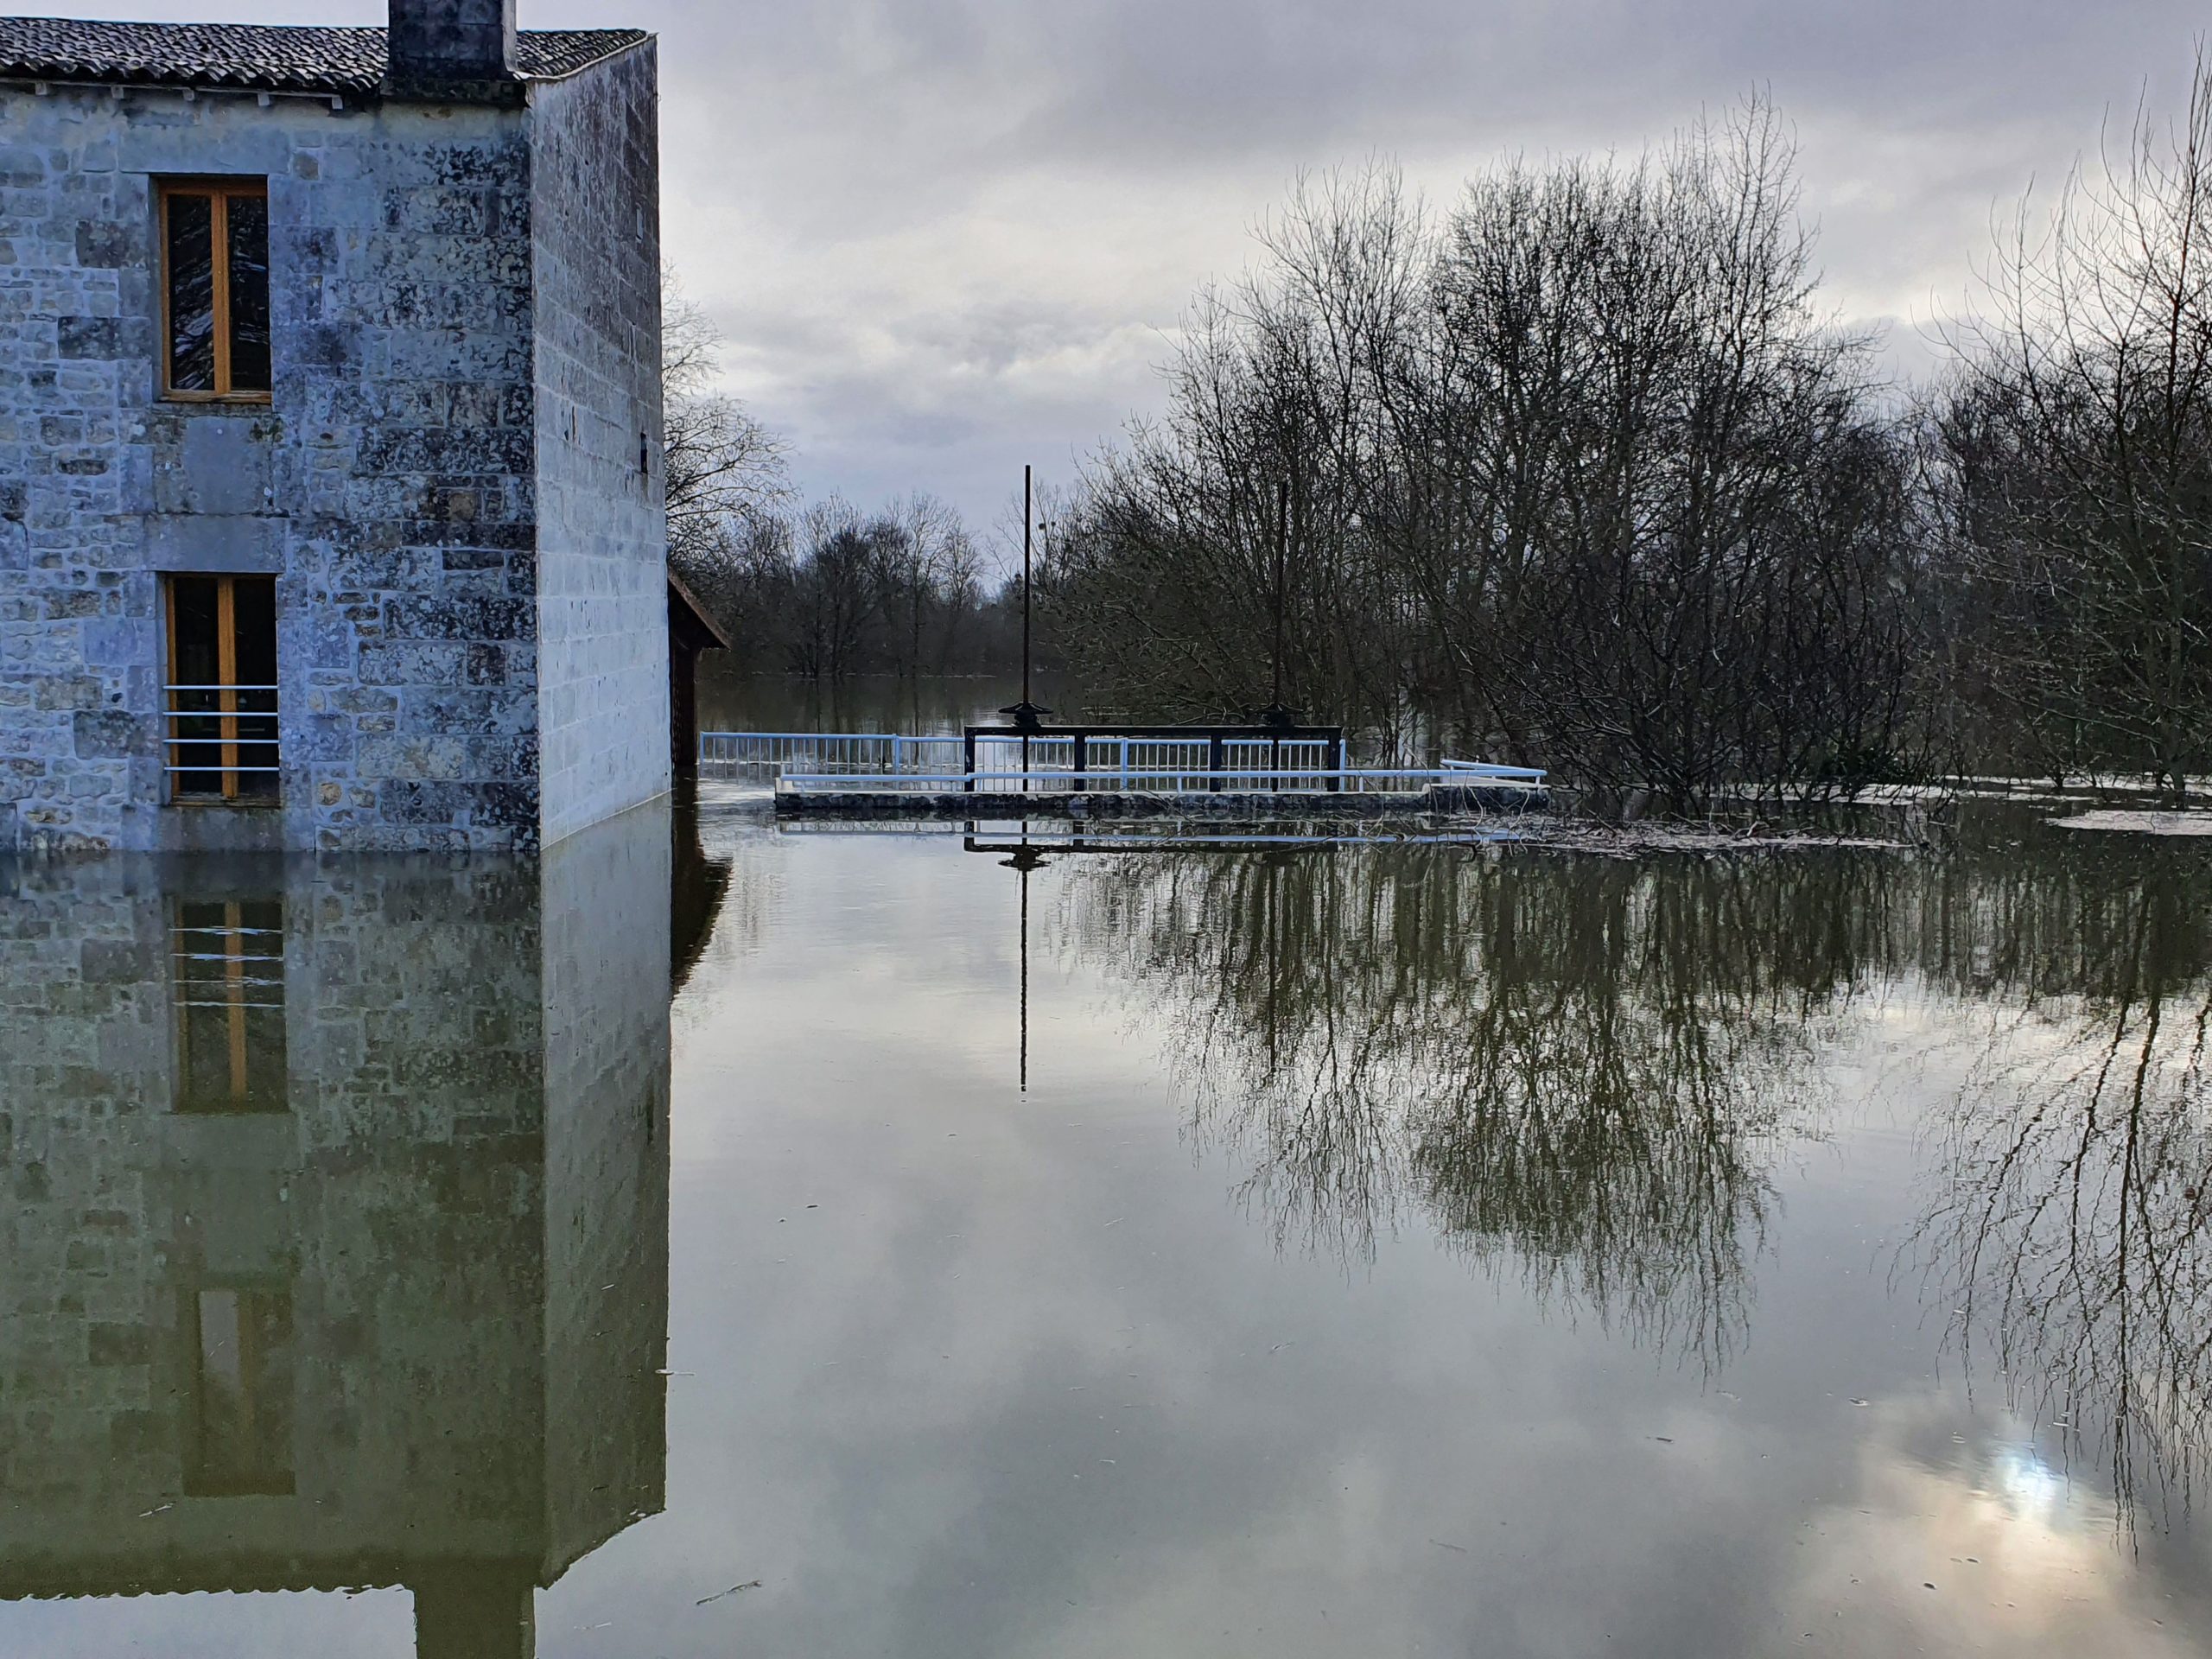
(831, 592)
(1582, 473)
(825, 591)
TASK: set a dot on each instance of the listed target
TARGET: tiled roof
(255, 57)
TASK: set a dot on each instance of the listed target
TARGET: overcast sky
(946, 237)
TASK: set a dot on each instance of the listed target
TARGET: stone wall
(394, 484)
(447, 1173)
(389, 483)
(602, 616)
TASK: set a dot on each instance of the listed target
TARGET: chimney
(436, 43)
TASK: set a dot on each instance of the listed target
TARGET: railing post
(1082, 761)
(1125, 765)
(968, 754)
(1213, 762)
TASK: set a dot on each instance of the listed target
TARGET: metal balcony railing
(220, 737)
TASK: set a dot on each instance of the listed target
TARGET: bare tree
(930, 571)
(2074, 450)
(1577, 474)
(727, 473)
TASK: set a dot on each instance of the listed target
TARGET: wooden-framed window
(215, 290)
(221, 744)
(226, 978)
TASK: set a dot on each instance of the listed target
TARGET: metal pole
(1027, 519)
(1282, 564)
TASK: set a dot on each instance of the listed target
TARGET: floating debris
(750, 1584)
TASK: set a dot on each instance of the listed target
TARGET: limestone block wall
(389, 485)
(602, 556)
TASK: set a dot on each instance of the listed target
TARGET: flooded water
(733, 702)
(715, 1241)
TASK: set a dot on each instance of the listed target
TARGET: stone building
(331, 508)
(336, 1218)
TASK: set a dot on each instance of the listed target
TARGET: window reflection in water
(227, 969)
(241, 1439)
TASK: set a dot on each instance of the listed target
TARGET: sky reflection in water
(1395, 1251)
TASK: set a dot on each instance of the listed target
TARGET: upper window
(215, 288)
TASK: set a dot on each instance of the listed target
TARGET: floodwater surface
(731, 700)
(717, 1240)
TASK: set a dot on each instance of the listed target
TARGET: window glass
(247, 219)
(191, 262)
(254, 630)
(195, 672)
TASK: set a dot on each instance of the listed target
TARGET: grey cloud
(946, 236)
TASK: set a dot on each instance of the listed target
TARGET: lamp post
(1276, 717)
(1028, 718)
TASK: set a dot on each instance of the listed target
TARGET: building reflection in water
(336, 1219)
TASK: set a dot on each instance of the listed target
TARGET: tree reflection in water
(1586, 1069)
(1586, 1074)
(2067, 1216)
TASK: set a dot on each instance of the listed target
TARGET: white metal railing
(1490, 769)
(1040, 780)
(1005, 762)
(238, 726)
(762, 756)
(1149, 763)
(768, 755)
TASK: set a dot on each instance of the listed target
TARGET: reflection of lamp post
(1026, 858)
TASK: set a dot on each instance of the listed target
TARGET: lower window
(222, 691)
